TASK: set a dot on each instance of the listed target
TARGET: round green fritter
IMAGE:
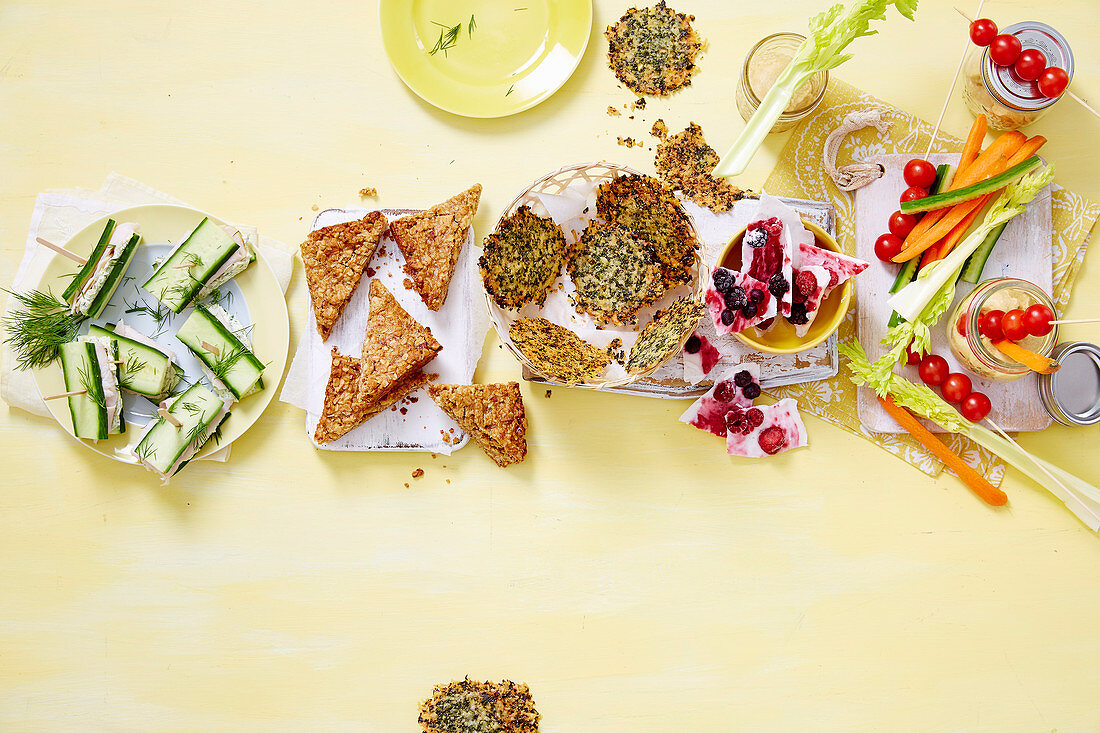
(521, 259)
(614, 272)
(653, 50)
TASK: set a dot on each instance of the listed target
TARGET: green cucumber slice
(80, 368)
(204, 251)
(223, 353)
(89, 266)
(991, 185)
(943, 177)
(144, 370)
(197, 411)
(975, 264)
(114, 278)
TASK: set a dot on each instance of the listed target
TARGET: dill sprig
(448, 37)
(145, 452)
(134, 364)
(224, 363)
(160, 314)
(37, 326)
(93, 387)
(471, 26)
(510, 90)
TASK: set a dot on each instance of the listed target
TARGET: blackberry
(742, 378)
(727, 317)
(777, 285)
(756, 296)
(748, 310)
(693, 344)
(756, 238)
(735, 298)
(752, 391)
(723, 280)
(798, 314)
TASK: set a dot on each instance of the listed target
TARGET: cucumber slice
(80, 368)
(89, 266)
(144, 370)
(907, 273)
(959, 195)
(975, 264)
(943, 178)
(184, 273)
(222, 351)
(199, 412)
(114, 277)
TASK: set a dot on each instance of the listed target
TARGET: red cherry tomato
(901, 224)
(1030, 64)
(1005, 49)
(982, 31)
(887, 247)
(1053, 81)
(920, 173)
(933, 370)
(913, 193)
(1037, 320)
(956, 388)
(975, 407)
(990, 325)
(912, 358)
(960, 325)
(1013, 325)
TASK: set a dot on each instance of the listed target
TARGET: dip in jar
(974, 350)
(763, 65)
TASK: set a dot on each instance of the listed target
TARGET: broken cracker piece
(492, 414)
(368, 192)
(557, 352)
(662, 336)
(334, 258)
(685, 162)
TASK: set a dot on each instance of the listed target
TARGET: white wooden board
(1024, 251)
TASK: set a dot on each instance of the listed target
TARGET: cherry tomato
(887, 247)
(990, 325)
(975, 407)
(1037, 320)
(901, 224)
(1053, 81)
(912, 358)
(956, 388)
(920, 173)
(1013, 325)
(982, 31)
(960, 325)
(913, 193)
(1031, 63)
(1005, 49)
(933, 370)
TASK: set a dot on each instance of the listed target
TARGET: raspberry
(727, 317)
(772, 440)
(805, 283)
(724, 391)
(778, 285)
(756, 296)
(723, 280)
(752, 391)
(798, 315)
(693, 344)
(755, 417)
(743, 378)
(765, 325)
(748, 310)
(834, 278)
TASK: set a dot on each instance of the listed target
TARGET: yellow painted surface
(637, 578)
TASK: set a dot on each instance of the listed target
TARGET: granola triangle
(394, 346)
(335, 257)
(492, 414)
(343, 410)
(431, 242)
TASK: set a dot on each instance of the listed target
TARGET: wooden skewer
(1076, 320)
(61, 250)
(1071, 95)
(211, 348)
(66, 394)
(954, 81)
(163, 412)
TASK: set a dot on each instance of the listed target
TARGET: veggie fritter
(557, 352)
(651, 212)
(479, 707)
(661, 337)
(685, 162)
(521, 259)
(615, 273)
(653, 50)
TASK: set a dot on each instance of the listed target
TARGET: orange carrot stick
(974, 480)
(1034, 362)
(973, 144)
(945, 245)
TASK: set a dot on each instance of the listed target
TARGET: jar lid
(1072, 394)
(1003, 82)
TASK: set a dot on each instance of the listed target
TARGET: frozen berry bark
(767, 257)
(737, 301)
(810, 285)
(700, 356)
(739, 386)
(756, 432)
(840, 266)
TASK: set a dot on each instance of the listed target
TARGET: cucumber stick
(114, 277)
(82, 371)
(959, 195)
(225, 355)
(144, 370)
(89, 266)
(199, 412)
(191, 265)
(972, 270)
(943, 178)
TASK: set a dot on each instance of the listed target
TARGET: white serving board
(1024, 251)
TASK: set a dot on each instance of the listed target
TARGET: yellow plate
(782, 338)
(257, 287)
(517, 54)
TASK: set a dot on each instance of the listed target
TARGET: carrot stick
(945, 245)
(1034, 362)
(973, 144)
(974, 480)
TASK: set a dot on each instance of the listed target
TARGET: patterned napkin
(800, 174)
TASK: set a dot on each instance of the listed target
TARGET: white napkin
(57, 215)
(416, 424)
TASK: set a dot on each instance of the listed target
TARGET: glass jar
(974, 350)
(1008, 101)
(763, 65)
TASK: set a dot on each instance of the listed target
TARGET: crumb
(612, 112)
(629, 142)
(404, 411)
(549, 393)
(314, 207)
(371, 272)
(433, 456)
(406, 484)
(369, 192)
(447, 480)
(418, 473)
(659, 130)
(638, 103)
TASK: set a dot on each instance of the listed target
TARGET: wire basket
(556, 183)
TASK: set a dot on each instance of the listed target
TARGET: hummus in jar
(991, 363)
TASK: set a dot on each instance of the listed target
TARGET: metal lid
(1072, 394)
(1008, 88)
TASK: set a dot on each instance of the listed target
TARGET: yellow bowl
(781, 338)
